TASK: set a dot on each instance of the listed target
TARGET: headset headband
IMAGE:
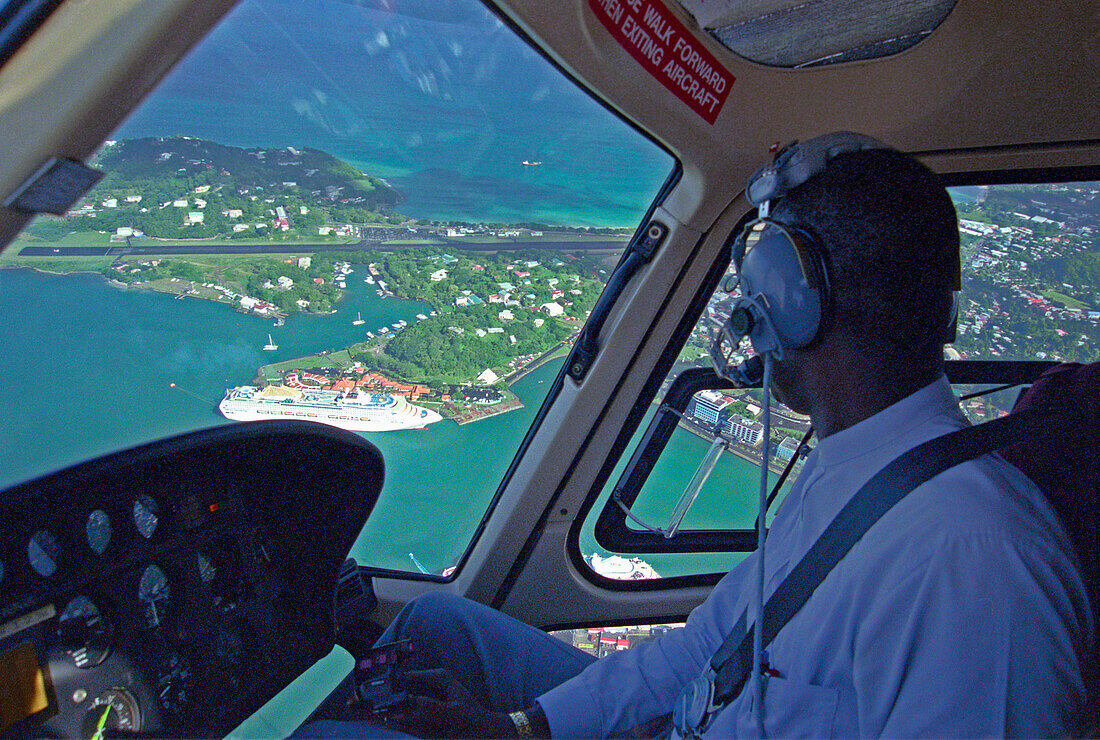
(797, 162)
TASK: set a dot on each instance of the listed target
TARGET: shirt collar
(887, 425)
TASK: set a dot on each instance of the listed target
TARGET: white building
(488, 377)
(438, 275)
(305, 262)
(195, 217)
(552, 309)
(747, 431)
(506, 315)
(708, 405)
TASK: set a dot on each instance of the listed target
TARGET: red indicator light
(214, 507)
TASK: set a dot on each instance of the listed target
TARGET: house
(233, 213)
(195, 217)
(133, 198)
(237, 228)
(552, 309)
(181, 203)
(110, 203)
(305, 262)
(438, 275)
(488, 377)
(506, 315)
(284, 282)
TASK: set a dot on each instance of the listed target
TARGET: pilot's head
(884, 231)
(891, 242)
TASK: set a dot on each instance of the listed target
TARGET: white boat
(358, 319)
(356, 411)
(270, 346)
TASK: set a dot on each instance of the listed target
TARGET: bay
(90, 368)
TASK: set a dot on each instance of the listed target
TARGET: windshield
(388, 217)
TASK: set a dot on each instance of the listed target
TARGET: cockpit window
(805, 34)
(1031, 277)
(388, 217)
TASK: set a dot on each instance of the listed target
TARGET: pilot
(961, 612)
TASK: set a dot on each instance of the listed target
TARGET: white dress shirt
(960, 613)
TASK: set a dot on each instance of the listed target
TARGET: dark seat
(1066, 467)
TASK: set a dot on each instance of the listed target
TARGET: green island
(174, 215)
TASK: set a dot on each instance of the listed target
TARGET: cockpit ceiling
(795, 33)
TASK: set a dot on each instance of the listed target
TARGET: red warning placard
(668, 51)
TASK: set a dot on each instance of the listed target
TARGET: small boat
(270, 346)
(358, 319)
(279, 321)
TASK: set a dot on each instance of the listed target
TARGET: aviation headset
(786, 290)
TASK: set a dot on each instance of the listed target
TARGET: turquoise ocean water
(441, 99)
(90, 368)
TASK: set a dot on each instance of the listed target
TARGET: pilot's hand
(439, 706)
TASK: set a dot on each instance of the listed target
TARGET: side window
(393, 218)
(1031, 277)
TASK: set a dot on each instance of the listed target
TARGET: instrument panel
(175, 588)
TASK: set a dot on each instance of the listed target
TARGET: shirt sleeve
(982, 639)
(636, 686)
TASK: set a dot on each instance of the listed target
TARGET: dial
(114, 711)
(155, 593)
(175, 685)
(146, 515)
(98, 531)
(221, 574)
(42, 551)
(84, 633)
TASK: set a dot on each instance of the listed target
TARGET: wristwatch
(522, 723)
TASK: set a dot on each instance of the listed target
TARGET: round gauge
(98, 531)
(84, 633)
(112, 712)
(42, 551)
(146, 513)
(175, 685)
(154, 592)
(219, 569)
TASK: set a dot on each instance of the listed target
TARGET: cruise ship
(357, 411)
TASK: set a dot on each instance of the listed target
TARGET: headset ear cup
(785, 279)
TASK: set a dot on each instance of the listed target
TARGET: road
(119, 250)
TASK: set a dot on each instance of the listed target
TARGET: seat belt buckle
(695, 707)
